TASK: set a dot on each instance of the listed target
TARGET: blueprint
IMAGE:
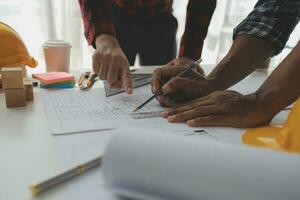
(72, 110)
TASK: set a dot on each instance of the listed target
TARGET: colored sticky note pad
(64, 82)
(285, 138)
(63, 85)
(53, 77)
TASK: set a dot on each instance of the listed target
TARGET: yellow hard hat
(285, 138)
(13, 51)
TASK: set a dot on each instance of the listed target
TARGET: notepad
(53, 77)
(62, 85)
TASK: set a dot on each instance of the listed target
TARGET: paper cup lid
(56, 44)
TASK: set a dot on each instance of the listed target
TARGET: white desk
(28, 152)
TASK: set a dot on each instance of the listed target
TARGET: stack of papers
(55, 80)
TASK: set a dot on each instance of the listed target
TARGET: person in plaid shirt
(121, 29)
(204, 101)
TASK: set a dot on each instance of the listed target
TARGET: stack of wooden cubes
(17, 91)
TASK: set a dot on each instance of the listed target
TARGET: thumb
(126, 79)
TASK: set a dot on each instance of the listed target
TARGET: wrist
(244, 56)
(271, 100)
(219, 78)
(106, 40)
(184, 61)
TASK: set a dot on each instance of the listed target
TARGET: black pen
(159, 92)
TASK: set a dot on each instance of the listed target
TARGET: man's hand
(183, 89)
(111, 64)
(225, 108)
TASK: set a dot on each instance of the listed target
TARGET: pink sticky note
(53, 77)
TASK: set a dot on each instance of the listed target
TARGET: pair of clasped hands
(191, 99)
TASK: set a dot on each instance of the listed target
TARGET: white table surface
(28, 153)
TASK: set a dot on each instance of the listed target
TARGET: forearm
(283, 86)
(270, 20)
(97, 19)
(198, 18)
(246, 54)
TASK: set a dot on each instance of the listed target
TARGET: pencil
(159, 92)
(64, 176)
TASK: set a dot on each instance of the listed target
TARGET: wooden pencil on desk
(64, 176)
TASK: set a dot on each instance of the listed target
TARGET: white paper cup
(57, 55)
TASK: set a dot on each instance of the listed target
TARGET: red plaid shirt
(97, 18)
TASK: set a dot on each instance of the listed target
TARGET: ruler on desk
(138, 80)
(145, 115)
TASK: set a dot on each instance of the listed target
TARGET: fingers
(183, 116)
(126, 80)
(115, 85)
(176, 84)
(171, 85)
(96, 62)
(112, 74)
(118, 83)
(194, 113)
(104, 67)
(101, 64)
(112, 65)
(203, 101)
(223, 108)
(155, 83)
(162, 75)
(164, 101)
(200, 70)
(212, 120)
(175, 111)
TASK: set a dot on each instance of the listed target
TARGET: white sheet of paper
(72, 110)
(153, 165)
(75, 111)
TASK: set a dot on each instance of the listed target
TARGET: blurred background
(40, 20)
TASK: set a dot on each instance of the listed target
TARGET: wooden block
(15, 97)
(28, 89)
(12, 77)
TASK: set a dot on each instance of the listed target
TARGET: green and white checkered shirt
(272, 20)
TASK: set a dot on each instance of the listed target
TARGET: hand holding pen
(166, 77)
(180, 89)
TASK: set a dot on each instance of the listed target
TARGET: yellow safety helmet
(285, 138)
(13, 51)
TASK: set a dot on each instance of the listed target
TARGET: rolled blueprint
(146, 165)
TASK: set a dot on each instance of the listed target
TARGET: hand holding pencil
(180, 89)
(164, 87)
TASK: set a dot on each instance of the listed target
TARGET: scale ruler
(145, 115)
(138, 80)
